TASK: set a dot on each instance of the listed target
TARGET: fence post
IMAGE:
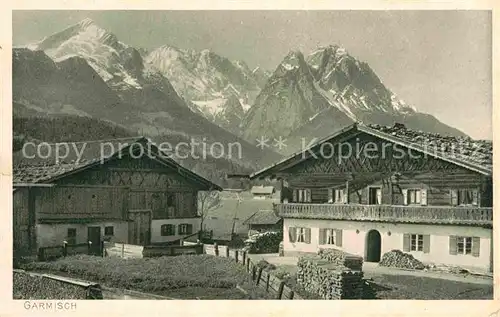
(280, 289)
(292, 293)
(41, 254)
(236, 255)
(102, 249)
(65, 248)
(216, 249)
(123, 250)
(244, 257)
(227, 252)
(259, 275)
(248, 264)
(267, 282)
(254, 271)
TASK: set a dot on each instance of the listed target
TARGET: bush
(266, 242)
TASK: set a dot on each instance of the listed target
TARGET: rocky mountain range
(178, 94)
(313, 96)
(86, 71)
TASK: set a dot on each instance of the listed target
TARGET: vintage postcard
(225, 154)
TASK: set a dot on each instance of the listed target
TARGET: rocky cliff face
(314, 96)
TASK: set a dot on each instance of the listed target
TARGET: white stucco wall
(156, 236)
(353, 242)
(49, 235)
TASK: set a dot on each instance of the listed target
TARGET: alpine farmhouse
(369, 189)
(121, 190)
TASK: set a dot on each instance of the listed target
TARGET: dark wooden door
(94, 236)
(373, 246)
(140, 227)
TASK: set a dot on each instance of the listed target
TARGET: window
(465, 197)
(185, 228)
(301, 234)
(336, 196)
(413, 197)
(108, 231)
(416, 242)
(375, 196)
(170, 200)
(302, 195)
(330, 236)
(167, 230)
(464, 245)
(71, 236)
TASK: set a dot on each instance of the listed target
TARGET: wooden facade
(360, 166)
(125, 189)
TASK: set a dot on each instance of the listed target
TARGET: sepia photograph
(252, 155)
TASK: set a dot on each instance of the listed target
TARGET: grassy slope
(187, 276)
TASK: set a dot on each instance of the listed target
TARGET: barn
(121, 190)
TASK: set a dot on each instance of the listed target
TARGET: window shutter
(179, 231)
(292, 234)
(427, 243)
(308, 195)
(308, 235)
(423, 197)
(330, 195)
(405, 196)
(338, 237)
(475, 197)
(406, 242)
(322, 235)
(294, 195)
(476, 246)
(379, 196)
(189, 228)
(453, 245)
(454, 197)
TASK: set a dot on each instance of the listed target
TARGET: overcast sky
(438, 61)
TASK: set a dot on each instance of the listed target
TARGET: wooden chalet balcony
(386, 213)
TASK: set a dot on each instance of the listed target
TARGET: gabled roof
(31, 167)
(263, 217)
(262, 190)
(475, 155)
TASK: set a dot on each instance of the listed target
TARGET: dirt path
(373, 269)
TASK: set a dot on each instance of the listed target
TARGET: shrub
(266, 242)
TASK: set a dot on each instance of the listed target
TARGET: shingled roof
(263, 217)
(56, 160)
(475, 155)
(262, 190)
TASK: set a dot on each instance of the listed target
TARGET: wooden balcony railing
(388, 213)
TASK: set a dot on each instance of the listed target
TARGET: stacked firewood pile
(399, 259)
(339, 257)
(329, 280)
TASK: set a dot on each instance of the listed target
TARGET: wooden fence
(264, 280)
(54, 252)
(135, 251)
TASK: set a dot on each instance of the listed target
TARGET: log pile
(399, 259)
(342, 258)
(329, 280)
